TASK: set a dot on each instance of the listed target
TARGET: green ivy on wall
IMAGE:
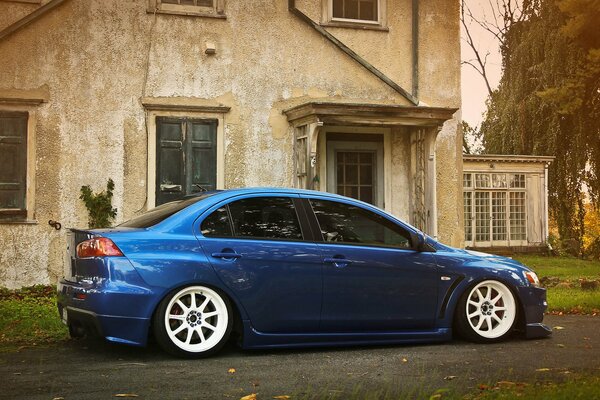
(99, 205)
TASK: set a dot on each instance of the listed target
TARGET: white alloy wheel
(490, 309)
(196, 319)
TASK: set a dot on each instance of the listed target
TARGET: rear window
(162, 212)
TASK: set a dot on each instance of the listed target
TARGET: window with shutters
(202, 8)
(186, 157)
(13, 165)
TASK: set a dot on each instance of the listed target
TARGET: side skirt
(259, 340)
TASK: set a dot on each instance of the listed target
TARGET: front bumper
(94, 309)
(534, 304)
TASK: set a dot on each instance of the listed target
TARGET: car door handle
(338, 262)
(226, 255)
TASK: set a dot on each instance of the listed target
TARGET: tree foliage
(547, 103)
(99, 205)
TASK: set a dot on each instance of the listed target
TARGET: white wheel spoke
(177, 317)
(499, 308)
(474, 303)
(497, 318)
(210, 314)
(180, 328)
(204, 304)
(201, 334)
(495, 299)
(189, 336)
(488, 320)
(183, 306)
(209, 326)
(193, 301)
(473, 314)
(481, 319)
(479, 295)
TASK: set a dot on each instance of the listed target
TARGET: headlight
(532, 278)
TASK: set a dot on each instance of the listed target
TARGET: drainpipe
(415, 48)
(292, 8)
(546, 229)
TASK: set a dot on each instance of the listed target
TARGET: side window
(265, 218)
(344, 223)
(217, 224)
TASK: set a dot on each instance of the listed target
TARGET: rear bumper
(85, 308)
(534, 304)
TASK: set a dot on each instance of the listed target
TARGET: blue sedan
(287, 268)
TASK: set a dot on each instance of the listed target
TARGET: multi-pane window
(482, 180)
(494, 207)
(467, 180)
(205, 8)
(468, 213)
(356, 174)
(359, 10)
(517, 181)
(186, 157)
(198, 3)
(13, 164)
(518, 220)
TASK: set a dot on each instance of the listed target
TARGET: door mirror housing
(420, 243)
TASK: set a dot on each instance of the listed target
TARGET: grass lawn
(29, 317)
(567, 297)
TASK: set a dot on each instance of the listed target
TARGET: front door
(186, 157)
(355, 169)
(373, 279)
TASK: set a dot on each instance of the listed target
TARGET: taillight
(98, 247)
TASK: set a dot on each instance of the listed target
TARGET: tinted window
(160, 213)
(345, 223)
(217, 224)
(265, 217)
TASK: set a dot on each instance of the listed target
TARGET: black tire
(186, 333)
(496, 320)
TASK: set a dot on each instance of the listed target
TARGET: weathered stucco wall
(99, 58)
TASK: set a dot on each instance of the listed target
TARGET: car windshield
(162, 212)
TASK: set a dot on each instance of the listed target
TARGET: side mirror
(420, 243)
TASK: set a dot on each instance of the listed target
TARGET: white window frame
(216, 11)
(474, 188)
(329, 20)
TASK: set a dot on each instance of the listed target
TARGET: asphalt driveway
(91, 369)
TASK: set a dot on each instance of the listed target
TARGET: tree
(547, 103)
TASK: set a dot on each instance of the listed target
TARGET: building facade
(506, 202)
(169, 97)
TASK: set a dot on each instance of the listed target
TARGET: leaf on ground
(542, 370)
(231, 370)
(560, 345)
(483, 386)
(251, 396)
(283, 397)
(558, 328)
(404, 360)
(58, 398)
(126, 395)
(505, 384)
(450, 377)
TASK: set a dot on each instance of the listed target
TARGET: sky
(474, 92)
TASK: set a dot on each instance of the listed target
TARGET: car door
(373, 279)
(257, 246)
